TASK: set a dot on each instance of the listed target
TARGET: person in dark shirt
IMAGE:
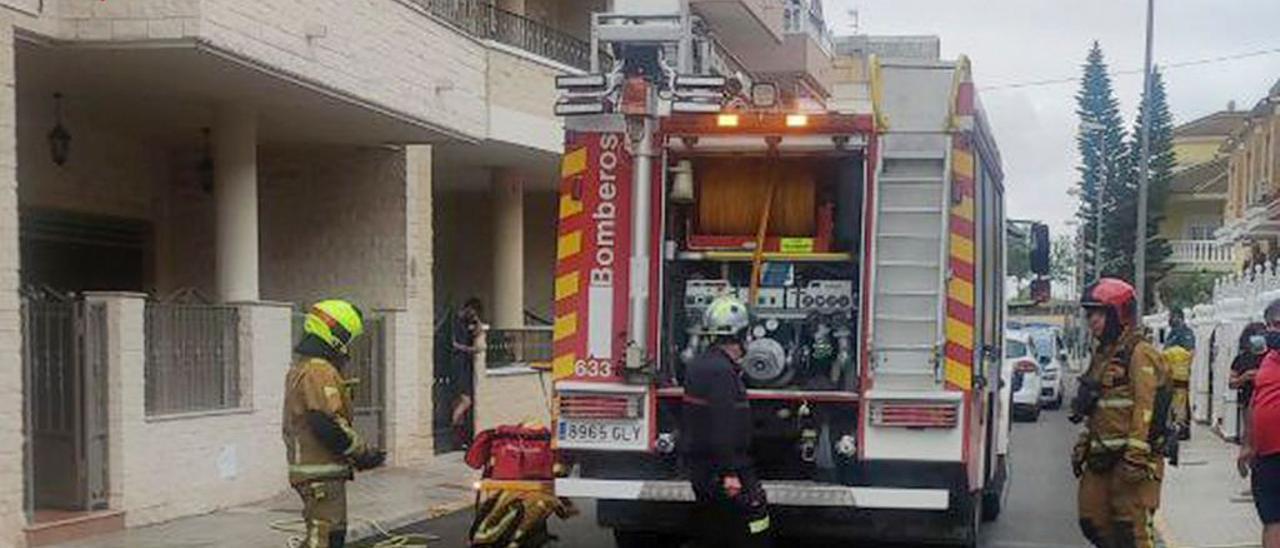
(1253, 346)
(716, 436)
(1179, 333)
(466, 327)
(1244, 369)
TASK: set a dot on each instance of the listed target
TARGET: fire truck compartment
(802, 211)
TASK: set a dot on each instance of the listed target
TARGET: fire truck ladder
(908, 262)
(910, 270)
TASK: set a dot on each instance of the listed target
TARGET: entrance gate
(65, 373)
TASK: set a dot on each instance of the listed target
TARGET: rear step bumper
(780, 493)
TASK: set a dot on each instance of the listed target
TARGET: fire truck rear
(868, 244)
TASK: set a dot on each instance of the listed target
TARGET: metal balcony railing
(528, 346)
(1199, 252)
(484, 20)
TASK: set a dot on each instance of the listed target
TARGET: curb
(362, 529)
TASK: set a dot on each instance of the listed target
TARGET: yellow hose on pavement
(296, 526)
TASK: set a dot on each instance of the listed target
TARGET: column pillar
(507, 190)
(235, 191)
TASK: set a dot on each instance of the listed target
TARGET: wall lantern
(59, 137)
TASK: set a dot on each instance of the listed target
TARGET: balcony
(801, 62)
(1201, 253)
(487, 22)
(800, 20)
(746, 19)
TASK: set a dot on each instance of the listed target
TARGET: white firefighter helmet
(726, 316)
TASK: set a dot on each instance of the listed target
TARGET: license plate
(602, 434)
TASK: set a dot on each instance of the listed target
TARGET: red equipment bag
(513, 453)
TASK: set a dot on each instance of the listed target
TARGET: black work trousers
(721, 521)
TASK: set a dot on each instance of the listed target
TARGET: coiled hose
(298, 527)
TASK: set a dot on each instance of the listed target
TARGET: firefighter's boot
(324, 511)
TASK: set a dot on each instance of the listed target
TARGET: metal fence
(64, 368)
(528, 346)
(193, 358)
(1238, 299)
(484, 20)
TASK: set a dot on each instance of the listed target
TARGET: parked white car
(1051, 357)
(1025, 386)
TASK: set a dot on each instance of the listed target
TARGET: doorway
(65, 385)
(64, 361)
(447, 386)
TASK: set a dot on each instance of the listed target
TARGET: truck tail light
(915, 414)
(797, 120)
(600, 406)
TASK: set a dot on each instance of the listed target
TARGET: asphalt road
(1039, 512)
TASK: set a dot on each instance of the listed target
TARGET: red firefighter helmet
(1112, 294)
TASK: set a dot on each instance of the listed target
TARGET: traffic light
(1040, 249)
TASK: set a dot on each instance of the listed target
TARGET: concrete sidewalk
(394, 497)
(1203, 504)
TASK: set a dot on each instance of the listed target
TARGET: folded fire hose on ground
(515, 516)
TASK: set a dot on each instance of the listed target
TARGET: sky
(1019, 41)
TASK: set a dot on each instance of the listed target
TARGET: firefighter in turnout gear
(716, 435)
(1120, 456)
(322, 446)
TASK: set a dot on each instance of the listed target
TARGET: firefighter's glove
(1079, 457)
(732, 486)
(1088, 392)
(368, 459)
(1135, 471)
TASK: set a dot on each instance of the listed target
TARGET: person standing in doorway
(466, 329)
(1264, 432)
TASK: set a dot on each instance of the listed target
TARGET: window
(1201, 229)
(1044, 346)
(1014, 348)
(193, 358)
(793, 17)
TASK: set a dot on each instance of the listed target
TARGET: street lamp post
(1140, 245)
(1078, 284)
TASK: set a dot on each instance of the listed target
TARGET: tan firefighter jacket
(1130, 371)
(314, 384)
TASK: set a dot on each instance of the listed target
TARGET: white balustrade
(1199, 252)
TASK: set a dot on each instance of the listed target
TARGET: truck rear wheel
(644, 539)
(973, 521)
(991, 506)
(993, 494)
